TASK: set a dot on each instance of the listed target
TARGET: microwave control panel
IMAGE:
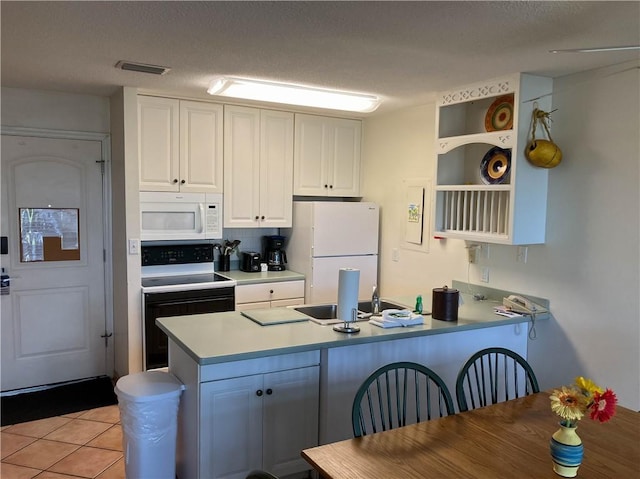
(213, 225)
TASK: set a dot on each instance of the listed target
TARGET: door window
(49, 234)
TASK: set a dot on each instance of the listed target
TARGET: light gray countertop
(229, 336)
(243, 277)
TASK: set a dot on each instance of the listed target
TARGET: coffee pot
(274, 254)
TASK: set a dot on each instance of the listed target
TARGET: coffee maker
(274, 255)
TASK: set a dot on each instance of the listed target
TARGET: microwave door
(172, 221)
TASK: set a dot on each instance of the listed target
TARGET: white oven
(180, 216)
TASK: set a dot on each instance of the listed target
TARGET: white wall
(54, 110)
(589, 267)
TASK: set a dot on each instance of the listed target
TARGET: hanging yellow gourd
(542, 153)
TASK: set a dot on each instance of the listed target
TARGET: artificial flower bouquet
(584, 397)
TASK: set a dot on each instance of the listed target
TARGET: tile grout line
(85, 445)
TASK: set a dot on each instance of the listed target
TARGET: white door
(290, 419)
(230, 427)
(323, 284)
(276, 169)
(52, 215)
(345, 228)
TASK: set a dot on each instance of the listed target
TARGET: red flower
(604, 405)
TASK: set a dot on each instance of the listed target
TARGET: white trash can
(148, 403)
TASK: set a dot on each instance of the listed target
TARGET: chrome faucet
(375, 301)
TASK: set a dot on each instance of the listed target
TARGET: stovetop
(183, 279)
(182, 267)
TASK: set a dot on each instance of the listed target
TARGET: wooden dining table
(505, 440)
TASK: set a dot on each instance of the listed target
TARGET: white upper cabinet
(258, 163)
(180, 145)
(327, 156)
(486, 190)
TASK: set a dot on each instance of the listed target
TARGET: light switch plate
(134, 246)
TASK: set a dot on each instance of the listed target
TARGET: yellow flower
(588, 385)
(568, 403)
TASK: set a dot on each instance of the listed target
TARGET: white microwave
(180, 216)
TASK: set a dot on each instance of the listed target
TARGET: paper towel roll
(348, 285)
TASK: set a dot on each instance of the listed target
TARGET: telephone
(522, 305)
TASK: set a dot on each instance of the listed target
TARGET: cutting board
(268, 316)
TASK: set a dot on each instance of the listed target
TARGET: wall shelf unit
(486, 190)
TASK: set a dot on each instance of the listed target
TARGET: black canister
(444, 305)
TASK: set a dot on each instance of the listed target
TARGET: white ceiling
(400, 51)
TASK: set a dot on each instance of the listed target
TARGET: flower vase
(566, 451)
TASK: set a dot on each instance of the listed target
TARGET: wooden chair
(261, 475)
(398, 394)
(493, 375)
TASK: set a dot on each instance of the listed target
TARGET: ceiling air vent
(142, 68)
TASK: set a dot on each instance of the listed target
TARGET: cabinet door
(201, 147)
(276, 169)
(241, 167)
(158, 143)
(231, 427)
(290, 419)
(344, 168)
(310, 175)
(327, 156)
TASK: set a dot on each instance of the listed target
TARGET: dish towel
(395, 318)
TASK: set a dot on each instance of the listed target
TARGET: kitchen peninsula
(257, 395)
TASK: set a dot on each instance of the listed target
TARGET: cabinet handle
(183, 182)
(269, 392)
(259, 392)
(175, 180)
(330, 186)
(257, 218)
(262, 217)
(270, 291)
(326, 186)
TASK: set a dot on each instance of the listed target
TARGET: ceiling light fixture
(292, 94)
(597, 49)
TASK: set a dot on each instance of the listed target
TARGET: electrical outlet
(395, 254)
(485, 275)
(522, 254)
(484, 250)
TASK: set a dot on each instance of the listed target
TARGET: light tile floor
(86, 444)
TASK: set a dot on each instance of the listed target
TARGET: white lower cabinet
(269, 295)
(258, 422)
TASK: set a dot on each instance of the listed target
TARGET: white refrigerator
(327, 236)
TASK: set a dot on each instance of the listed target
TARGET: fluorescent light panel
(596, 49)
(291, 94)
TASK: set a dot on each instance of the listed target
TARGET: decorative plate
(500, 114)
(495, 166)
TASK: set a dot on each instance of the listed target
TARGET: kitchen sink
(365, 306)
(327, 313)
